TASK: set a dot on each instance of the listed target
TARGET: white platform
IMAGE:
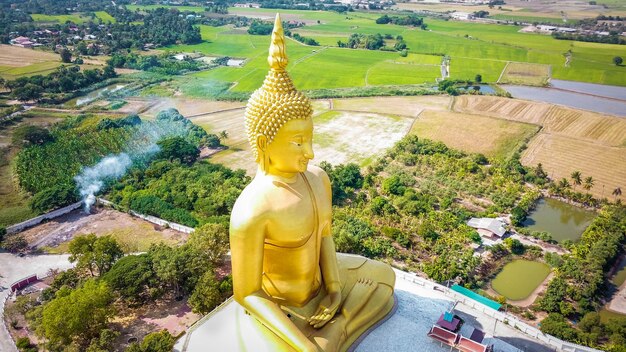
(418, 308)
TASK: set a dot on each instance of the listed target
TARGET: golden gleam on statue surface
(286, 273)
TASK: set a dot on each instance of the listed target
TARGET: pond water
(563, 221)
(572, 98)
(484, 89)
(96, 94)
(520, 278)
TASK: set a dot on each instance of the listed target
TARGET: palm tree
(223, 135)
(563, 183)
(588, 183)
(617, 192)
(576, 177)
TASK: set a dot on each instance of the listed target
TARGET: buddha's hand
(326, 310)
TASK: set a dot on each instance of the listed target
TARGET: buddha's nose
(308, 150)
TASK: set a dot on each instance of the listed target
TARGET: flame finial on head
(277, 101)
(277, 56)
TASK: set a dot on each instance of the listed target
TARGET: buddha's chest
(296, 215)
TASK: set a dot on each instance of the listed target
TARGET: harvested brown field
(575, 123)
(570, 139)
(16, 56)
(525, 74)
(502, 108)
(473, 133)
(561, 155)
(406, 106)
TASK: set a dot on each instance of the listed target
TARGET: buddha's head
(278, 117)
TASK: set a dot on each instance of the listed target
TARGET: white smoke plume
(139, 150)
(91, 180)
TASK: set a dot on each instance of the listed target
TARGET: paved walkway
(13, 268)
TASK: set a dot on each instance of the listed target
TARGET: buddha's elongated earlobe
(263, 156)
(266, 162)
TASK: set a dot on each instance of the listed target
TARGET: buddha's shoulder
(318, 174)
(254, 195)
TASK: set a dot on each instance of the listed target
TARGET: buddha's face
(292, 148)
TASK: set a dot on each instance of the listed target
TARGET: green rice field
(520, 278)
(473, 49)
(38, 68)
(75, 18)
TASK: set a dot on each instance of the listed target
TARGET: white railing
(36, 220)
(505, 318)
(152, 219)
(4, 326)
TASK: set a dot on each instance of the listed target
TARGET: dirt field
(135, 235)
(594, 144)
(173, 316)
(525, 74)
(406, 106)
(473, 133)
(347, 137)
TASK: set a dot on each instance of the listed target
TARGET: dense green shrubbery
(260, 28)
(194, 194)
(410, 20)
(411, 199)
(47, 169)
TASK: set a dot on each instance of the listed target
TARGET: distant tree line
(305, 40)
(613, 38)
(164, 63)
(410, 20)
(64, 79)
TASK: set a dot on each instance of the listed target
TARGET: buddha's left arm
(328, 255)
(328, 263)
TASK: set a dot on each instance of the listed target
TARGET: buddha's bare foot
(358, 297)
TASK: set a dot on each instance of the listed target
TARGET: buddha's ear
(261, 142)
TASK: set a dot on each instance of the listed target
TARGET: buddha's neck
(285, 177)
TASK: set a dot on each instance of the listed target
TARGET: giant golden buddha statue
(286, 273)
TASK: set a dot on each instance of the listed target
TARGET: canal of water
(592, 97)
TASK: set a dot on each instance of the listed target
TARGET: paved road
(13, 268)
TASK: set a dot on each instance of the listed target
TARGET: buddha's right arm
(246, 244)
(275, 319)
